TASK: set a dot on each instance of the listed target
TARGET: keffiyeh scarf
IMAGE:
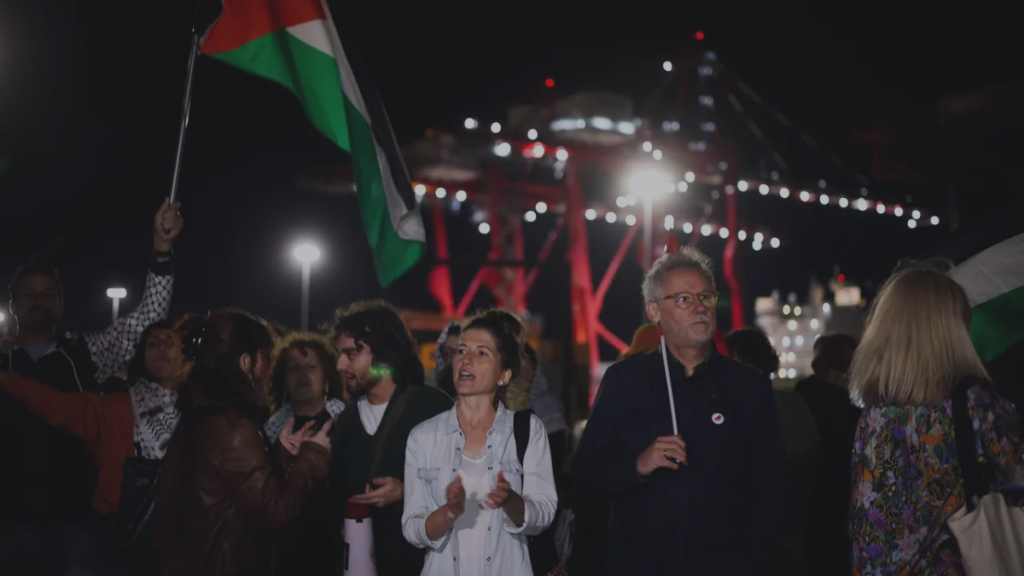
(276, 423)
(156, 417)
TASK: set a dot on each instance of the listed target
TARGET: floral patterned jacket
(906, 481)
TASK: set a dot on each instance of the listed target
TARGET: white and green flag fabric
(295, 43)
(994, 281)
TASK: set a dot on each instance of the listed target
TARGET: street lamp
(306, 254)
(650, 183)
(116, 294)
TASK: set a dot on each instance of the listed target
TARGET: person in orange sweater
(117, 426)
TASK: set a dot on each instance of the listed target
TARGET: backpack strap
(521, 432)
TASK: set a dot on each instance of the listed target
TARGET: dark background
(90, 100)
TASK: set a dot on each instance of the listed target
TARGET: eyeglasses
(686, 300)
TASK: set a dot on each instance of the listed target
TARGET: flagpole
(185, 106)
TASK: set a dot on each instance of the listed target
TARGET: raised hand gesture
(292, 440)
(321, 437)
(167, 225)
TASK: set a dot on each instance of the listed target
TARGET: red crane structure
(570, 157)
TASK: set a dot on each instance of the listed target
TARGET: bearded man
(382, 372)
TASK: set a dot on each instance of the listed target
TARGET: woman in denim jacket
(468, 500)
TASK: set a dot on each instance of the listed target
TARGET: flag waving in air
(295, 43)
(994, 282)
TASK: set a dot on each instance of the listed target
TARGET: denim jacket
(433, 456)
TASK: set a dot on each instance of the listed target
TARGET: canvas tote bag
(989, 531)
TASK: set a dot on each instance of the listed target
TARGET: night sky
(90, 99)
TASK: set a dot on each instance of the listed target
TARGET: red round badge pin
(717, 418)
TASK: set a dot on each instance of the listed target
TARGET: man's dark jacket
(719, 514)
(353, 453)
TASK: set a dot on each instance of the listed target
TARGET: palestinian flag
(295, 43)
(994, 281)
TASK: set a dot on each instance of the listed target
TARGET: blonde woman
(470, 499)
(906, 481)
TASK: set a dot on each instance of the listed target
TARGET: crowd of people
(217, 444)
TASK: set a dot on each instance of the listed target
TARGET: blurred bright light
(621, 201)
(116, 293)
(631, 200)
(538, 150)
(843, 202)
(805, 195)
(785, 341)
(756, 246)
(471, 124)
(814, 321)
(495, 128)
(687, 227)
(542, 207)
(591, 214)
(630, 220)
(826, 307)
(911, 224)
(461, 195)
(823, 199)
(484, 228)
(667, 66)
(420, 189)
(880, 208)
(723, 232)
(682, 186)
(786, 309)
(741, 185)
(656, 154)
(791, 325)
(862, 204)
(758, 237)
(651, 182)
(503, 149)
(562, 154)
(530, 216)
(306, 253)
(792, 372)
(916, 214)
(775, 242)
(935, 220)
(602, 123)
(763, 189)
(784, 192)
(690, 176)
(440, 192)
(706, 229)
(648, 146)
(741, 235)
(897, 211)
(670, 222)
(531, 134)
(610, 217)
(797, 311)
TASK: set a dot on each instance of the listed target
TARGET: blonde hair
(917, 344)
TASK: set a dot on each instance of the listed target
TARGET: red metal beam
(611, 338)
(613, 268)
(729, 260)
(440, 281)
(545, 251)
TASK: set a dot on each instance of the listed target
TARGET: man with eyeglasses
(705, 494)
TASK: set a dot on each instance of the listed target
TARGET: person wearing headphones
(48, 512)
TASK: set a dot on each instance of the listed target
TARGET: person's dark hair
(509, 335)
(530, 353)
(833, 352)
(137, 364)
(376, 324)
(751, 346)
(217, 379)
(35, 268)
(308, 343)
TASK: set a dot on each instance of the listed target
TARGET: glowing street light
(115, 295)
(306, 254)
(650, 183)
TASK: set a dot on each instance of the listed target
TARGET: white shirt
(370, 414)
(471, 527)
(433, 456)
